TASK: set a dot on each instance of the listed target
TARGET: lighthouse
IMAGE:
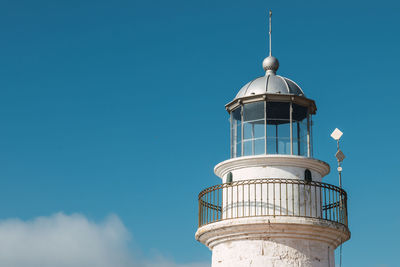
(272, 207)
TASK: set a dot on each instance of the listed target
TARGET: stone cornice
(271, 160)
(270, 227)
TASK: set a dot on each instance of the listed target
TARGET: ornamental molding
(229, 165)
(259, 228)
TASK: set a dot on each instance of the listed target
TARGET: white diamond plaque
(336, 134)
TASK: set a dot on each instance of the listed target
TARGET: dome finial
(270, 64)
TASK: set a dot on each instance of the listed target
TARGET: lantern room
(271, 115)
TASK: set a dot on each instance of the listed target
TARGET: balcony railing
(272, 197)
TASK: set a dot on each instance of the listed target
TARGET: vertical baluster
(310, 202)
(337, 207)
(248, 200)
(293, 199)
(262, 209)
(325, 204)
(280, 197)
(214, 206)
(320, 202)
(243, 199)
(199, 211)
(287, 202)
(305, 201)
(334, 204)
(298, 194)
(273, 183)
(226, 202)
(268, 197)
(237, 201)
(207, 208)
(218, 205)
(330, 202)
(232, 210)
(315, 201)
(255, 198)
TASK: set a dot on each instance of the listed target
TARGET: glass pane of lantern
(259, 145)
(295, 138)
(303, 147)
(278, 111)
(271, 137)
(247, 130)
(237, 113)
(248, 148)
(259, 129)
(284, 137)
(303, 129)
(236, 132)
(253, 129)
(271, 129)
(284, 146)
(253, 111)
(299, 112)
(239, 149)
(284, 129)
(271, 145)
(295, 147)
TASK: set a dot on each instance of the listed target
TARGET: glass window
(278, 128)
(248, 131)
(236, 132)
(248, 136)
(253, 128)
(259, 146)
(247, 148)
(253, 111)
(300, 130)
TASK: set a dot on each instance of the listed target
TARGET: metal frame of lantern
(271, 98)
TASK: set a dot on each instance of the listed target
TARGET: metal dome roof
(270, 84)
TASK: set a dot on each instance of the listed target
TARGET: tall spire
(270, 33)
(270, 63)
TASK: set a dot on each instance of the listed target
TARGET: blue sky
(117, 107)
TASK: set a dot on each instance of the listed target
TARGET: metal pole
(270, 33)
(291, 128)
(339, 169)
(308, 135)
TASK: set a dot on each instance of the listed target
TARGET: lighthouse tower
(272, 208)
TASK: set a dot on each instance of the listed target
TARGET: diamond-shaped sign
(339, 155)
(336, 134)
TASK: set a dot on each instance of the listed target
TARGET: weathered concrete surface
(269, 241)
(278, 252)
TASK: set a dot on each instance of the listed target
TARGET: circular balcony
(273, 197)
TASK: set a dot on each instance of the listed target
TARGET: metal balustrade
(272, 197)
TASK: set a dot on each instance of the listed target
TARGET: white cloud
(163, 262)
(70, 241)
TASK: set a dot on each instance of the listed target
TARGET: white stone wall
(285, 172)
(271, 166)
(276, 252)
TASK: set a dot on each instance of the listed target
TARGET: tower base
(274, 242)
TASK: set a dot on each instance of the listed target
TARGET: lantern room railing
(272, 197)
